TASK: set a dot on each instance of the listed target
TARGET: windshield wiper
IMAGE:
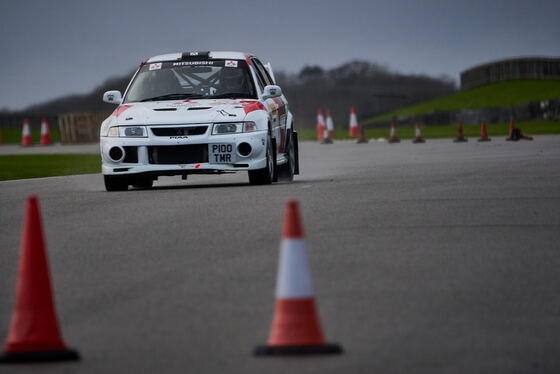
(231, 95)
(174, 96)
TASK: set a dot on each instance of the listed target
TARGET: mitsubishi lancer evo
(198, 113)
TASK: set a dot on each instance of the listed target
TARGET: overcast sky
(51, 48)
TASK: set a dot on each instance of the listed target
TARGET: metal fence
(80, 127)
(74, 127)
(533, 111)
(16, 121)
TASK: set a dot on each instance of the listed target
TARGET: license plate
(221, 153)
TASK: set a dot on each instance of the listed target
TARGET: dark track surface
(429, 258)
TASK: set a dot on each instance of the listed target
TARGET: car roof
(210, 54)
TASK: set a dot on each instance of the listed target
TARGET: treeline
(75, 103)
(371, 88)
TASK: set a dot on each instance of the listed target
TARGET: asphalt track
(428, 258)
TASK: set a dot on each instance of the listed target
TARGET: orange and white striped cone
(320, 125)
(26, 134)
(483, 133)
(353, 123)
(394, 138)
(296, 329)
(45, 132)
(460, 137)
(329, 129)
(418, 136)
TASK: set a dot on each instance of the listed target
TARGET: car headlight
(128, 131)
(233, 127)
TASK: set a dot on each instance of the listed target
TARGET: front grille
(131, 155)
(179, 131)
(178, 154)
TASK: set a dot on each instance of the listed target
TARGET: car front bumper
(175, 155)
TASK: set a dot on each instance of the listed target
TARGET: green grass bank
(13, 136)
(38, 166)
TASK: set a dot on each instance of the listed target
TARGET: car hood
(185, 111)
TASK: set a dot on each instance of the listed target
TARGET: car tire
(265, 175)
(115, 183)
(286, 172)
(143, 182)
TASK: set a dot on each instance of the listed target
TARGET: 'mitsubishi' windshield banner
(173, 64)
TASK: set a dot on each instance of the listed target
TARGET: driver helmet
(233, 80)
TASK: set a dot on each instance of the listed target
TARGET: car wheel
(115, 183)
(286, 172)
(267, 174)
(143, 182)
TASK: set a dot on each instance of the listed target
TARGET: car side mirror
(271, 91)
(112, 97)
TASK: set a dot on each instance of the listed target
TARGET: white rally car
(198, 113)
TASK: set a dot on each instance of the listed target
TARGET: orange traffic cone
(34, 334)
(296, 329)
(394, 138)
(353, 123)
(511, 131)
(515, 134)
(45, 132)
(362, 138)
(328, 132)
(418, 138)
(26, 134)
(460, 137)
(483, 134)
(320, 125)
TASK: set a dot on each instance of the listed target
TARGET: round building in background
(511, 69)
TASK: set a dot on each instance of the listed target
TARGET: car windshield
(205, 79)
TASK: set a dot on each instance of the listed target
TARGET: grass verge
(446, 131)
(37, 166)
(13, 136)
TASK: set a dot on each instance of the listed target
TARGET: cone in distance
(34, 334)
(511, 131)
(394, 138)
(296, 329)
(418, 136)
(329, 130)
(483, 133)
(460, 137)
(320, 125)
(515, 134)
(45, 132)
(353, 123)
(26, 134)
(362, 138)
